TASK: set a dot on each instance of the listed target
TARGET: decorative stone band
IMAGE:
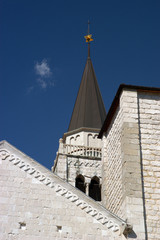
(100, 217)
(5, 155)
(86, 163)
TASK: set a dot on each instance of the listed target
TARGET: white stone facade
(36, 204)
(149, 109)
(112, 169)
(131, 162)
(79, 153)
(83, 138)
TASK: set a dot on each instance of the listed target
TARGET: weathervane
(88, 40)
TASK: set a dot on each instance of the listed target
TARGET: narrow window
(71, 140)
(95, 189)
(80, 184)
(89, 139)
(78, 140)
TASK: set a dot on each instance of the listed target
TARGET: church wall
(149, 119)
(60, 163)
(112, 167)
(61, 166)
(69, 167)
(88, 168)
(139, 154)
(35, 204)
(121, 159)
(132, 204)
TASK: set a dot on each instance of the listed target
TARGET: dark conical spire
(89, 110)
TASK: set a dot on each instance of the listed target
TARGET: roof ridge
(115, 102)
(66, 190)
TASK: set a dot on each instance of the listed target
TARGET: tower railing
(82, 150)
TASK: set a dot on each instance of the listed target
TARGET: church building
(105, 181)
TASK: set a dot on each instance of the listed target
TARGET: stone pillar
(61, 146)
(132, 204)
(87, 185)
(60, 163)
(132, 189)
(87, 189)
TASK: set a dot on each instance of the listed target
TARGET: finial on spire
(88, 40)
(88, 37)
(88, 26)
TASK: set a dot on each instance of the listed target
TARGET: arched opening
(80, 184)
(89, 139)
(77, 139)
(71, 140)
(95, 189)
(95, 136)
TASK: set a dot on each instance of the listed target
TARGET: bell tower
(78, 159)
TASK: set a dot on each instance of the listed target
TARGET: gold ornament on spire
(88, 37)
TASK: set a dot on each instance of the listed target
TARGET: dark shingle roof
(89, 110)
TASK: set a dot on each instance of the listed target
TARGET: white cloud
(42, 83)
(42, 69)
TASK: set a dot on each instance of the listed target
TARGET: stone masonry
(131, 162)
(79, 154)
(36, 204)
(149, 120)
(112, 168)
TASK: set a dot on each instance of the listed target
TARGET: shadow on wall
(142, 177)
(132, 234)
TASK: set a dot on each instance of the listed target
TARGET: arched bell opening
(95, 189)
(80, 183)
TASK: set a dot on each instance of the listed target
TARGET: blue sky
(43, 54)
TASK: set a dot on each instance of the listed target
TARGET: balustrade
(82, 150)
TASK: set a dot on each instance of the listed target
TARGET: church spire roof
(89, 110)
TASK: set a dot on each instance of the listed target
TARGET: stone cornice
(31, 167)
(78, 130)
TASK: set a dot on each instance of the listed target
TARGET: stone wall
(86, 167)
(112, 167)
(149, 119)
(35, 204)
(68, 168)
(131, 149)
(79, 154)
(131, 164)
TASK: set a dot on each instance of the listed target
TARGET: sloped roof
(52, 181)
(115, 103)
(89, 110)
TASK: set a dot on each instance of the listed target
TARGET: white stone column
(87, 186)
